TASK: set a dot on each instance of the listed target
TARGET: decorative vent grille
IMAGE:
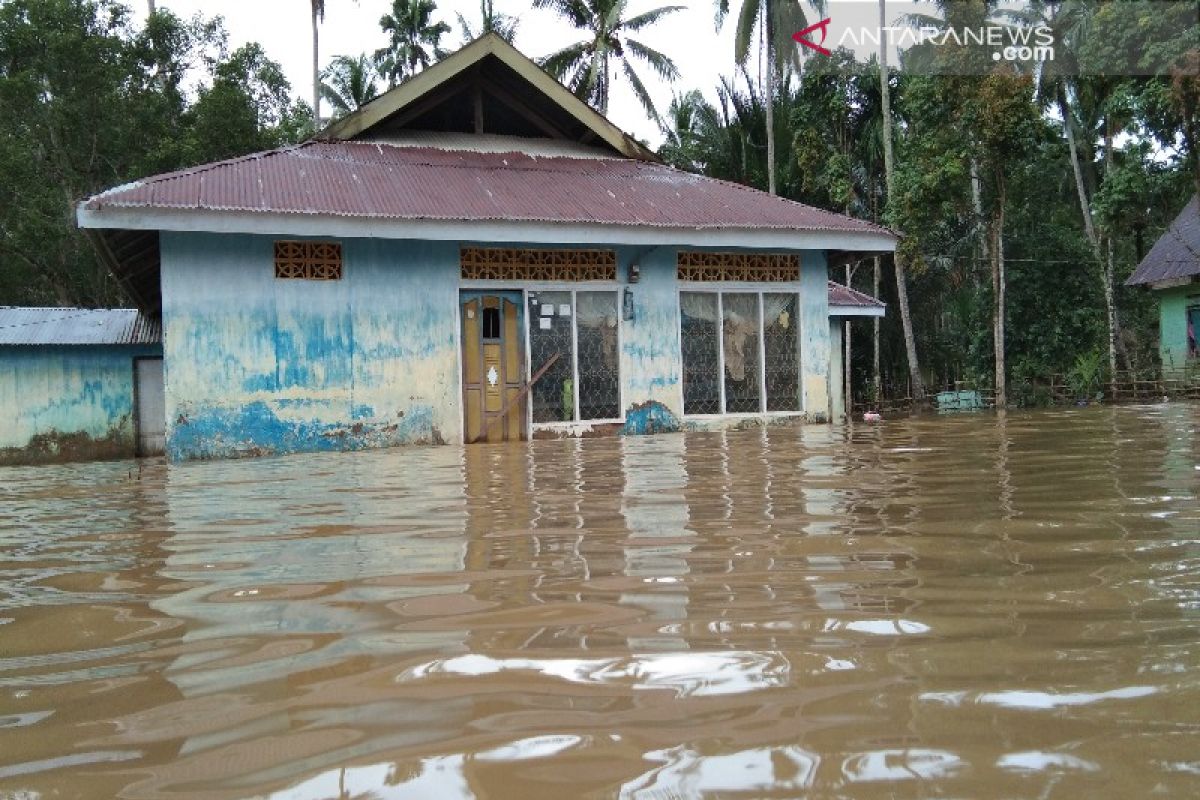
(757, 267)
(506, 264)
(313, 261)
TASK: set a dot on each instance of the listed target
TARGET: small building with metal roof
(476, 255)
(1172, 270)
(78, 383)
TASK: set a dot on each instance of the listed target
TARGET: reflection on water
(975, 606)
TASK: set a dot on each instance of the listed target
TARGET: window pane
(739, 337)
(782, 345)
(596, 321)
(549, 333)
(698, 334)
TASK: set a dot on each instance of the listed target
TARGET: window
(314, 261)
(741, 352)
(581, 329)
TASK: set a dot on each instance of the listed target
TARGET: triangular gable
(466, 89)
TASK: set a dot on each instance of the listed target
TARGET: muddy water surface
(976, 606)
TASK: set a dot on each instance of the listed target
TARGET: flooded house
(1172, 271)
(79, 384)
(476, 255)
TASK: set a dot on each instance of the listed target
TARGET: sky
(282, 27)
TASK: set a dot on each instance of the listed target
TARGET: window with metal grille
(582, 329)
(741, 352)
(313, 261)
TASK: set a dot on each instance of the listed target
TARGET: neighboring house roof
(1176, 254)
(371, 180)
(76, 326)
(847, 302)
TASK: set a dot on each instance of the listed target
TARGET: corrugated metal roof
(376, 180)
(844, 296)
(1177, 252)
(96, 326)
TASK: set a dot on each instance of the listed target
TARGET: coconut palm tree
(414, 39)
(586, 67)
(774, 21)
(502, 25)
(348, 83)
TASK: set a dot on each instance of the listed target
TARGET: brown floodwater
(968, 606)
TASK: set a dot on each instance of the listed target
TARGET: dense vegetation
(1025, 198)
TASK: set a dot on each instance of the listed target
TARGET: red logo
(824, 26)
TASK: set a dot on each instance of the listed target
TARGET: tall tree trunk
(998, 289)
(977, 205)
(876, 375)
(316, 74)
(1085, 206)
(1110, 310)
(910, 342)
(1106, 268)
(769, 48)
(150, 6)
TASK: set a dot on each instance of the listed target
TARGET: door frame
(137, 404)
(516, 295)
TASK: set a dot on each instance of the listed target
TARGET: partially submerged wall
(67, 403)
(1173, 306)
(257, 365)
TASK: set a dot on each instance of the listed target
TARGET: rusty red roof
(844, 297)
(376, 180)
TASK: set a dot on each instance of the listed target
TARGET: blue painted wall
(257, 365)
(67, 402)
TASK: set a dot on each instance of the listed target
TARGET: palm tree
(348, 83)
(775, 21)
(414, 40)
(586, 66)
(502, 25)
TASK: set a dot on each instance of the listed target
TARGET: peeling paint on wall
(67, 403)
(258, 365)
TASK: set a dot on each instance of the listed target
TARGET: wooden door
(493, 368)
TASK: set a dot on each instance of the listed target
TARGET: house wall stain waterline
(68, 403)
(257, 365)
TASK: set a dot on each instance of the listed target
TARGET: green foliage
(1086, 376)
(91, 101)
(414, 39)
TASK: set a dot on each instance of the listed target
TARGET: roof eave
(479, 230)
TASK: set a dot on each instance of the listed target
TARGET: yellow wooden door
(493, 370)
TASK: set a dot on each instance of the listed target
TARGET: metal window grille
(596, 355)
(741, 352)
(552, 332)
(313, 261)
(781, 352)
(740, 329)
(755, 267)
(514, 264)
(583, 328)
(701, 341)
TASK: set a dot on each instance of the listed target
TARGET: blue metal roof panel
(76, 326)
